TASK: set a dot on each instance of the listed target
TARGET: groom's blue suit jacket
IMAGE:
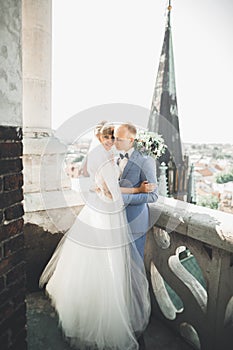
(138, 168)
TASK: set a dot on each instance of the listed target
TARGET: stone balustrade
(203, 314)
(198, 305)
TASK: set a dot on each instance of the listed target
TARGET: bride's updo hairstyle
(104, 129)
(99, 127)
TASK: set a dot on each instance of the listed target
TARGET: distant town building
(226, 197)
(208, 166)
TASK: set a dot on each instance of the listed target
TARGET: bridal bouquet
(149, 143)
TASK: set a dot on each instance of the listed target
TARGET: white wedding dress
(96, 278)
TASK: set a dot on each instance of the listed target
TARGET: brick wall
(12, 260)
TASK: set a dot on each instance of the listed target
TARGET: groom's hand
(146, 187)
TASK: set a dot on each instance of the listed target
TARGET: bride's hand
(104, 190)
(146, 187)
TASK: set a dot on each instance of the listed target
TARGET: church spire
(169, 14)
(163, 117)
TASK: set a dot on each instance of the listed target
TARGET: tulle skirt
(100, 290)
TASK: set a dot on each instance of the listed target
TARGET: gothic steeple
(163, 117)
(164, 120)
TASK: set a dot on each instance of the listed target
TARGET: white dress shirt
(122, 162)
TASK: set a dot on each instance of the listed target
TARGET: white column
(37, 44)
(47, 189)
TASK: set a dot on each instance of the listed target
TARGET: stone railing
(200, 308)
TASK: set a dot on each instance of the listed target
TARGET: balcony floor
(43, 332)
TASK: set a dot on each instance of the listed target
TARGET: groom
(135, 168)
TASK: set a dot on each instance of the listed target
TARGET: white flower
(149, 143)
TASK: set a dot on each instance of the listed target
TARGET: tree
(209, 202)
(78, 159)
(221, 179)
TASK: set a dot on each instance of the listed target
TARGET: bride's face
(107, 141)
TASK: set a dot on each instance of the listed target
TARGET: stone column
(43, 153)
(37, 44)
(50, 204)
(162, 183)
(37, 37)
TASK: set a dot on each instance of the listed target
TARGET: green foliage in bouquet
(149, 143)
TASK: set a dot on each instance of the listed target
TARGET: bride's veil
(102, 225)
(94, 143)
(96, 131)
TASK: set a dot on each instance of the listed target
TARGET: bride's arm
(110, 183)
(145, 187)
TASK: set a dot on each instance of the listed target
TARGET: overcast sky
(108, 51)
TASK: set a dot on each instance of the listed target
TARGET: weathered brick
(19, 341)
(20, 297)
(4, 296)
(9, 262)
(15, 322)
(9, 133)
(11, 150)
(12, 253)
(1, 216)
(14, 212)
(15, 329)
(6, 310)
(18, 323)
(20, 310)
(2, 283)
(13, 245)
(1, 251)
(11, 229)
(12, 291)
(4, 340)
(12, 182)
(4, 325)
(10, 166)
(1, 183)
(9, 198)
(20, 319)
(17, 273)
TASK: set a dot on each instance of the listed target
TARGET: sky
(108, 51)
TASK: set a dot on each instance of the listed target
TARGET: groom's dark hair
(131, 128)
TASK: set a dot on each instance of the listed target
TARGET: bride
(96, 278)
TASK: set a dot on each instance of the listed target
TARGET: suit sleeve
(148, 173)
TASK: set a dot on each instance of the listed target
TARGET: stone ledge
(206, 225)
(38, 201)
